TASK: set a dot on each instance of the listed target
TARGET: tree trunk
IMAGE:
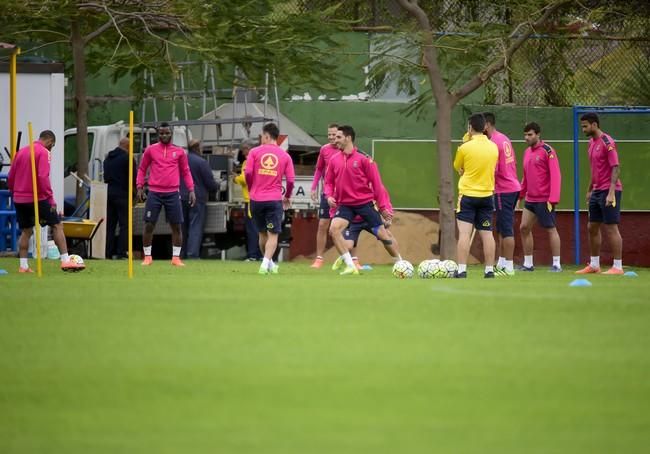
(80, 103)
(446, 196)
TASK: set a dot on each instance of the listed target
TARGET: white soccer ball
(427, 269)
(403, 270)
(449, 267)
(74, 258)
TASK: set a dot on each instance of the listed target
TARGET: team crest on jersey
(269, 162)
(355, 164)
(174, 154)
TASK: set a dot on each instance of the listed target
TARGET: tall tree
(128, 36)
(458, 45)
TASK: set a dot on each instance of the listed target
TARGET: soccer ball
(449, 267)
(427, 269)
(403, 270)
(74, 258)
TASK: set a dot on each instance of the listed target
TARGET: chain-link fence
(580, 61)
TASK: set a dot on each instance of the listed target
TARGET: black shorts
(354, 230)
(27, 218)
(324, 208)
(599, 212)
(267, 215)
(545, 218)
(476, 211)
(367, 211)
(504, 204)
(172, 203)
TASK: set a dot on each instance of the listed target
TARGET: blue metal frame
(577, 111)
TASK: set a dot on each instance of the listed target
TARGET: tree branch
(500, 62)
(429, 50)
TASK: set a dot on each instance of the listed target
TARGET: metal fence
(604, 62)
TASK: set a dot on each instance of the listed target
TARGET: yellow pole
(12, 101)
(37, 226)
(131, 195)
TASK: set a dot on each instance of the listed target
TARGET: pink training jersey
(603, 157)
(166, 164)
(542, 180)
(265, 167)
(353, 179)
(20, 175)
(326, 153)
(505, 175)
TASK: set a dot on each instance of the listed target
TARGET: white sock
(347, 258)
(65, 257)
(509, 265)
(147, 250)
(24, 263)
(265, 263)
(528, 261)
(462, 268)
(618, 264)
(501, 262)
(176, 251)
(319, 257)
(489, 269)
(271, 263)
(595, 261)
(556, 261)
(398, 258)
(355, 259)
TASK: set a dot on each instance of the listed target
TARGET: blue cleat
(555, 269)
(526, 268)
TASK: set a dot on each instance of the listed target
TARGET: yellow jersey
(241, 180)
(477, 159)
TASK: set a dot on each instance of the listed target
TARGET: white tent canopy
(234, 133)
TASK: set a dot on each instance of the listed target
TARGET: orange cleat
(318, 262)
(147, 260)
(588, 270)
(176, 261)
(357, 264)
(71, 266)
(25, 270)
(614, 271)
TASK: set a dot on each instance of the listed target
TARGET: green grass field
(213, 358)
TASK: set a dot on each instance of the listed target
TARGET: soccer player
(358, 225)
(540, 189)
(166, 163)
(475, 161)
(352, 183)
(603, 195)
(506, 195)
(19, 181)
(326, 152)
(265, 167)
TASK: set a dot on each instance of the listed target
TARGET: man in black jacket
(116, 175)
(194, 216)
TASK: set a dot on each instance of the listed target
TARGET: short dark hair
(47, 134)
(164, 124)
(532, 126)
(591, 117)
(332, 125)
(348, 131)
(477, 122)
(490, 118)
(272, 130)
